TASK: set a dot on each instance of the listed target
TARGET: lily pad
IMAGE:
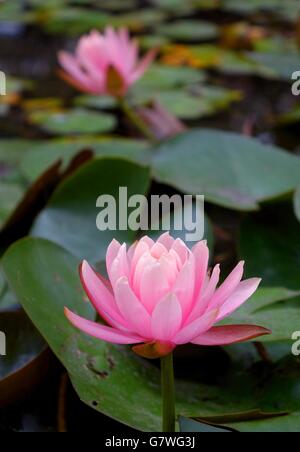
(161, 78)
(282, 67)
(70, 217)
(22, 367)
(269, 243)
(274, 308)
(11, 11)
(287, 10)
(190, 30)
(297, 203)
(96, 102)
(10, 195)
(37, 161)
(12, 150)
(191, 104)
(190, 425)
(229, 169)
(71, 21)
(73, 122)
(139, 20)
(8, 300)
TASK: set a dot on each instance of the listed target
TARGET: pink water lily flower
(160, 295)
(105, 63)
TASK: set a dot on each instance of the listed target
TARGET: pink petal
(166, 240)
(228, 286)
(102, 332)
(129, 48)
(231, 334)
(133, 311)
(130, 252)
(120, 266)
(117, 57)
(181, 249)
(154, 286)
(158, 250)
(140, 249)
(243, 292)
(166, 319)
(184, 287)
(101, 298)
(72, 67)
(201, 253)
(93, 60)
(143, 66)
(111, 254)
(144, 262)
(198, 326)
(92, 48)
(147, 240)
(204, 298)
(169, 266)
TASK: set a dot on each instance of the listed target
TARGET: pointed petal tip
(231, 334)
(69, 315)
(84, 267)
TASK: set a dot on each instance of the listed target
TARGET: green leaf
(275, 308)
(70, 21)
(267, 296)
(96, 102)
(11, 11)
(282, 66)
(21, 368)
(8, 301)
(160, 77)
(73, 122)
(193, 103)
(189, 30)
(12, 150)
(70, 217)
(10, 195)
(229, 169)
(269, 242)
(138, 20)
(11, 153)
(37, 161)
(297, 203)
(190, 425)
(288, 10)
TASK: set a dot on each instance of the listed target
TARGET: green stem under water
(168, 393)
(136, 120)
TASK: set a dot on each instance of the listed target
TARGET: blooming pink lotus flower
(161, 295)
(105, 63)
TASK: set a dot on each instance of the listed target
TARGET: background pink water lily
(105, 63)
(161, 294)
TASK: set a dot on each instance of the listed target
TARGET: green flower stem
(135, 119)
(168, 393)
